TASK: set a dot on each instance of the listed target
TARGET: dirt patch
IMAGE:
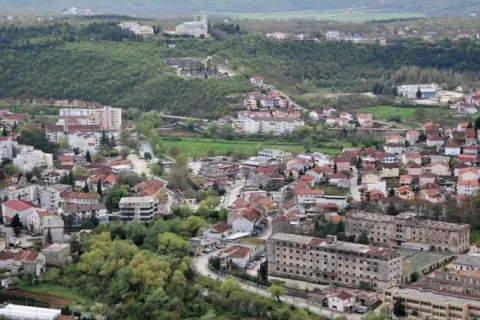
(53, 301)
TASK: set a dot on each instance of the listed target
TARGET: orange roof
(18, 205)
(80, 195)
(469, 169)
(307, 177)
(27, 256)
(65, 158)
(337, 219)
(317, 192)
(473, 183)
(238, 252)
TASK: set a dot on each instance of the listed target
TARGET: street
(354, 185)
(201, 266)
(232, 193)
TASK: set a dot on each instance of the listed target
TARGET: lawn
(384, 112)
(474, 235)
(62, 291)
(200, 147)
(323, 15)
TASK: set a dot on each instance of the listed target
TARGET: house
(412, 136)
(473, 98)
(12, 207)
(277, 36)
(415, 157)
(472, 158)
(459, 166)
(439, 169)
(336, 122)
(306, 196)
(310, 180)
(364, 118)
(470, 137)
(79, 213)
(390, 170)
(452, 149)
(376, 195)
(329, 112)
(218, 231)
(238, 256)
(462, 126)
(57, 254)
(30, 262)
(414, 169)
(44, 223)
(471, 149)
(316, 115)
(246, 222)
(371, 177)
(332, 35)
(395, 138)
(68, 197)
(257, 81)
(394, 148)
(345, 115)
(406, 180)
(6, 259)
(65, 160)
(341, 163)
(338, 179)
(433, 195)
(426, 178)
(341, 302)
(470, 173)
(405, 193)
(435, 141)
(384, 157)
(320, 173)
(467, 187)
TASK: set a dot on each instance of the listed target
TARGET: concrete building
(81, 213)
(68, 197)
(20, 192)
(12, 311)
(196, 28)
(407, 229)
(43, 222)
(7, 147)
(277, 125)
(12, 207)
(30, 158)
(83, 141)
(423, 304)
(410, 91)
(327, 261)
(138, 208)
(332, 35)
(466, 262)
(50, 195)
(110, 119)
(280, 155)
(57, 254)
(137, 28)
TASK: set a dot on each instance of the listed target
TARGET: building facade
(407, 228)
(138, 208)
(280, 155)
(327, 261)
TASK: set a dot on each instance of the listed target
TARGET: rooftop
(466, 260)
(434, 296)
(421, 259)
(133, 200)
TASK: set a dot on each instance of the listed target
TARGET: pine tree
(99, 188)
(104, 139)
(49, 239)
(112, 143)
(391, 193)
(86, 189)
(71, 178)
(88, 157)
(335, 168)
(419, 93)
(4, 132)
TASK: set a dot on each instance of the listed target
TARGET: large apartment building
(110, 119)
(327, 261)
(423, 304)
(138, 208)
(408, 230)
(277, 125)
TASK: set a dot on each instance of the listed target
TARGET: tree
(477, 123)
(174, 151)
(335, 168)
(392, 210)
(399, 308)
(147, 156)
(419, 93)
(49, 239)
(99, 188)
(86, 188)
(71, 178)
(4, 131)
(419, 113)
(229, 285)
(414, 276)
(88, 156)
(124, 153)
(263, 272)
(113, 199)
(276, 291)
(391, 193)
(363, 238)
(16, 225)
(104, 139)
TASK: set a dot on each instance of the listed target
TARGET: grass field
(200, 147)
(474, 235)
(60, 290)
(322, 15)
(407, 114)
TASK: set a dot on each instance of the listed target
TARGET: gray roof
(466, 260)
(437, 298)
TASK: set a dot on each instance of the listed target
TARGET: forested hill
(100, 62)
(158, 7)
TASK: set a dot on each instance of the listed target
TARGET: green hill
(160, 7)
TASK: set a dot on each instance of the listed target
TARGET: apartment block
(327, 261)
(280, 155)
(407, 230)
(423, 304)
(138, 208)
(110, 119)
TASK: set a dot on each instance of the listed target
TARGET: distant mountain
(159, 7)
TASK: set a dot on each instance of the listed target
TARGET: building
(30, 158)
(80, 213)
(466, 262)
(467, 187)
(12, 311)
(424, 304)
(83, 141)
(50, 198)
(277, 125)
(277, 36)
(410, 91)
(355, 38)
(7, 147)
(43, 223)
(280, 155)
(12, 207)
(20, 192)
(137, 28)
(108, 118)
(196, 28)
(138, 208)
(407, 229)
(342, 302)
(332, 35)
(30, 262)
(327, 261)
(68, 197)
(257, 81)
(57, 254)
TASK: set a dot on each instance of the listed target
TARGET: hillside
(161, 7)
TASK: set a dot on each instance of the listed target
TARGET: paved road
(354, 185)
(232, 193)
(201, 266)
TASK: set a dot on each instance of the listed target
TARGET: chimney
(331, 239)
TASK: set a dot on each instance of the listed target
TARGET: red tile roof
(317, 192)
(27, 256)
(251, 216)
(7, 255)
(344, 295)
(18, 205)
(65, 158)
(238, 252)
(221, 227)
(80, 195)
(473, 183)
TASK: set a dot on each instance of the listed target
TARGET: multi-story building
(410, 91)
(277, 125)
(7, 147)
(407, 229)
(138, 208)
(110, 119)
(29, 158)
(20, 192)
(333, 35)
(197, 28)
(57, 254)
(137, 28)
(328, 261)
(423, 304)
(280, 155)
(84, 141)
(50, 198)
(68, 197)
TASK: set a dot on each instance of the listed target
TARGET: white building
(43, 222)
(355, 38)
(280, 155)
(30, 158)
(12, 207)
(333, 35)
(7, 146)
(68, 197)
(196, 28)
(279, 126)
(81, 213)
(83, 141)
(277, 36)
(257, 81)
(410, 91)
(12, 311)
(341, 302)
(50, 195)
(137, 28)
(21, 192)
(467, 187)
(138, 208)
(110, 119)
(466, 262)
